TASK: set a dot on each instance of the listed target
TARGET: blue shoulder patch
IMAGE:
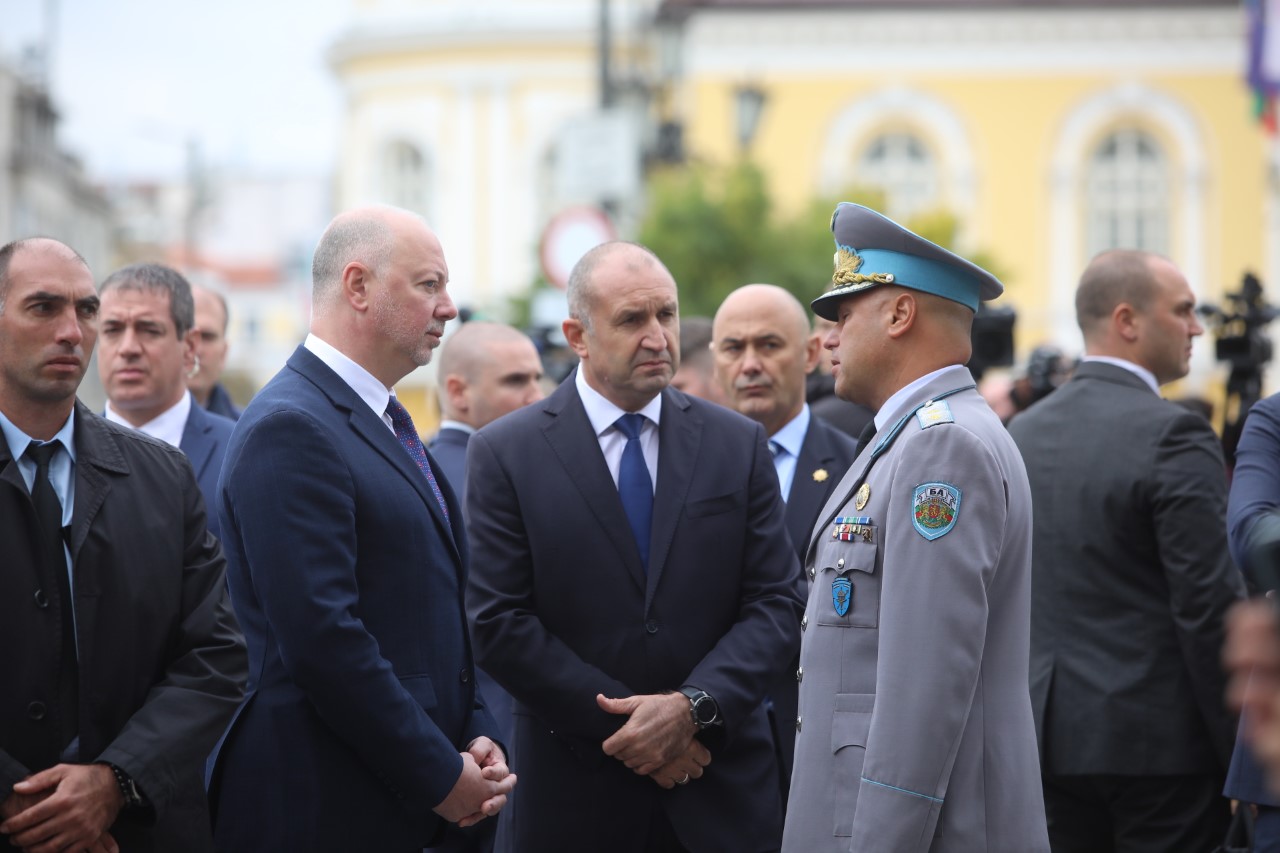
(935, 413)
(935, 507)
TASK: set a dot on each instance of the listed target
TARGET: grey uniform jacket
(915, 730)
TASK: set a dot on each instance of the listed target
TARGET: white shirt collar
(603, 413)
(167, 426)
(458, 425)
(1136, 369)
(902, 395)
(791, 436)
(365, 384)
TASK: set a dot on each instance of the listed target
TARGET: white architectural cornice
(472, 74)
(1022, 41)
(392, 27)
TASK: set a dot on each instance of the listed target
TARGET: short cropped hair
(158, 278)
(1111, 278)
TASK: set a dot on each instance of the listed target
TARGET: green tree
(717, 229)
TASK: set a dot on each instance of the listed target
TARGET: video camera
(1241, 339)
(992, 338)
(1241, 342)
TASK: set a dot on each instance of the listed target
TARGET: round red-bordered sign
(569, 235)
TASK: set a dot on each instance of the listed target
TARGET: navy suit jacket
(824, 456)
(1255, 493)
(449, 451)
(348, 583)
(220, 403)
(562, 609)
(204, 441)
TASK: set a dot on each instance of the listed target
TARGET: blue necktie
(412, 444)
(635, 487)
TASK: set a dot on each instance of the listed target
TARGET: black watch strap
(703, 709)
(128, 788)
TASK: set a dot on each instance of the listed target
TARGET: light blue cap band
(917, 273)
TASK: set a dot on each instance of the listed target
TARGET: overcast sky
(134, 79)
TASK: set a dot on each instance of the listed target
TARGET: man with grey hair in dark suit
(147, 354)
(1131, 577)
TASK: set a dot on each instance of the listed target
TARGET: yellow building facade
(1051, 130)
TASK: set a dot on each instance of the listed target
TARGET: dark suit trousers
(1135, 814)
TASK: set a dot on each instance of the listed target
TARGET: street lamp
(750, 102)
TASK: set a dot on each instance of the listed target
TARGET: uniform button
(36, 710)
(804, 622)
(812, 573)
(800, 674)
(42, 600)
(840, 563)
(799, 720)
(651, 626)
(464, 676)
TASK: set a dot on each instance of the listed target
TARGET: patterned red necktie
(412, 444)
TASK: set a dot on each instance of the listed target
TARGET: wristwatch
(702, 707)
(128, 788)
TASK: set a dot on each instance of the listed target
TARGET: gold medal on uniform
(820, 476)
(861, 498)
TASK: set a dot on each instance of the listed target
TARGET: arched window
(903, 167)
(1127, 194)
(405, 177)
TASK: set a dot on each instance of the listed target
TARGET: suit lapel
(807, 493)
(679, 434)
(375, 432)
(196, 443)
(97, 457)
(574, 442)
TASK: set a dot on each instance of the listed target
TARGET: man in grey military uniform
(915, 730)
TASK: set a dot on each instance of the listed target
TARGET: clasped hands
(481, 791)
(67, 806)
(657, 739)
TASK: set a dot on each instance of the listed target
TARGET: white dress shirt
(365, 384)
(1136, 369)
(167, 426)
(602, 414)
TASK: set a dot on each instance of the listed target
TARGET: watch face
(706, 710)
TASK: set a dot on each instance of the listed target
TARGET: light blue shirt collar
(906, 393)
(1136, 369)
(791, 437)
(365, 384)
(61, 468)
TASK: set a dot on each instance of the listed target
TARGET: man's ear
(902, 311)
(812, 352)
(1125, 319)
(576, 334)
(356, 279)
(190, 364)
(455, 391)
